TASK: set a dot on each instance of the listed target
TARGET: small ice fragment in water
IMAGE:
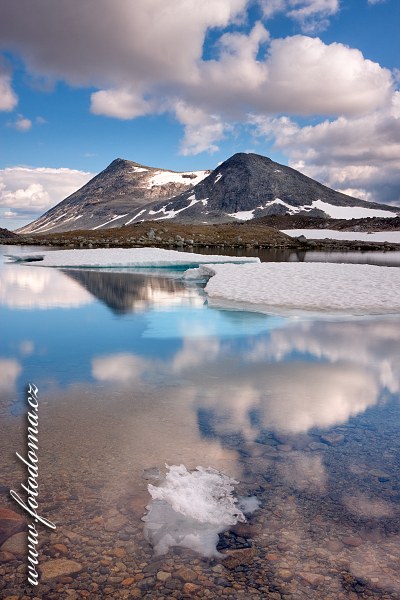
(248, 504)
(196, 274)
(190, 509)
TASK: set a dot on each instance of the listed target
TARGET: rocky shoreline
(174, 235)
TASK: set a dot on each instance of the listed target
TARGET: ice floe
(133, 257)
(292, 287)
(190, 509)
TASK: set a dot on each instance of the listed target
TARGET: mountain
(247, 186)
(115, 196)
(5, 234)
(244, 187)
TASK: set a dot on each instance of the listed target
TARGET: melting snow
(336, 212)
(292, 209)
(138, 169)
(350, 212)
(59, 217)
(218, 177)
(243, 215)
(110, 221)
(133, 257)
(190, 509)
(362, 236)
(170, 214)
(136, 216)
(288, 287)
(163, 177)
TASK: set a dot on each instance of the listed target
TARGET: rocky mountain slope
(247, 186)
(244, 187)
(5, 235)
(115, 196)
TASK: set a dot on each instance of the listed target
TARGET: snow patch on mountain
(243, 215)
(164, 177)
(111, 221)
(350, 212)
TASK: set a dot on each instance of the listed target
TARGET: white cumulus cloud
(155, 62)
(27, 192)
(22, 124)
(202, 130)
(149, 59)
(357, 155)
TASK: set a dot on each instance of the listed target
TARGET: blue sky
(183, 85)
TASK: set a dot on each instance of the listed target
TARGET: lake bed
(136, 370)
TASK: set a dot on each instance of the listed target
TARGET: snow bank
(351, 212)
(243, 215)
(190, 509)
(361, 236)
(133, 257)
(288, 287)
(170, 214)
(336, 212)
(188, 177)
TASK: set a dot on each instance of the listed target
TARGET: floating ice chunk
(203, 494)
(196, 274)
(133, 257)
(166, 528)
(248, 504)
(190, 509)
(316, 287)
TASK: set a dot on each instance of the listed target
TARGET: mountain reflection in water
(132, 292)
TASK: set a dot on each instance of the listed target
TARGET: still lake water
(135, 371)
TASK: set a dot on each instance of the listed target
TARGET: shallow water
(135, 371)
(388, 258)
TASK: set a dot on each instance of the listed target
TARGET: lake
(136, 372)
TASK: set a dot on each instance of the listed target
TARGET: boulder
(10, 523)
(52, 569)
